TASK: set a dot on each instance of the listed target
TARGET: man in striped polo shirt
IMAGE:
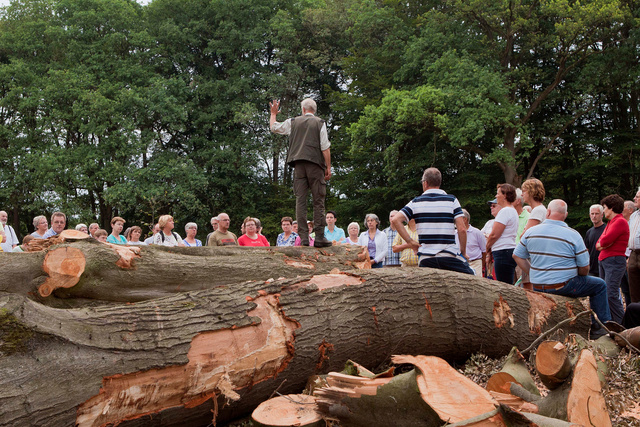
(437, 214)
(557, 261)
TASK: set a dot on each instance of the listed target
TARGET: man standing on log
(222, 236)
(310, 156)
(435, 213)
(558, 261)
(58, 223)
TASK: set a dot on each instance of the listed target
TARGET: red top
(615, 238)
(244, 240)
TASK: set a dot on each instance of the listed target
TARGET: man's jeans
(447, 263)
(587, 286)
(612, 270)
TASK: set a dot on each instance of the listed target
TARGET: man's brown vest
(304, 140)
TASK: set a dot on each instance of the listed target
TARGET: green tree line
(108, 107)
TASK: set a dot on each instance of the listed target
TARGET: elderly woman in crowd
(166, 236)
(251, 236)
(191, 229)
(502, 239)
(352, 230)
(83, 228)
(117, 224)
(41, 225)
(612, 246)
(375, 240)
(135, 233)
(287, 237)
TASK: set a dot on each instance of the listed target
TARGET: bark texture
(219, 352)
(90, 270)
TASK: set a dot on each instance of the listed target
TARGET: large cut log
(174, 360)
(88, 269)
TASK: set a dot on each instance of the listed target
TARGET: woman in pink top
(251, 236)
(612, 246)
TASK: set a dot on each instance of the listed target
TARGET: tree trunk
(225, 349)
(93, 270)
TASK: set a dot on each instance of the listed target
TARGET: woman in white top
(353, 229)
(533, 195)
(502, 239)
(374, 240)
(166, 236)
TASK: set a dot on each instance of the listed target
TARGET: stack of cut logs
(434, 393)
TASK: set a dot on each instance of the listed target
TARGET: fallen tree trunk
(102, 272)
(174, 360)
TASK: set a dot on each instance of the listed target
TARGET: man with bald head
(558, 261)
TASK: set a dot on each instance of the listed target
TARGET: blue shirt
(435, 212)
(49, 233)
(119, 241)
(337, 234)
(393, 258)
(281, 241)
(555, 252)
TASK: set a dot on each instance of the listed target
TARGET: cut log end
(285, 411)
(64, 266)
(552, 363)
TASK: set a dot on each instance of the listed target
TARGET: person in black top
(596, 213)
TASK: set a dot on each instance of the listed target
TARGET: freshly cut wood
(514, 402)
(585, 402)
(294, 410)
(514, 370)
(450, 394)
(552, 363)
(174, 360)
(360, 401)
(579, 400)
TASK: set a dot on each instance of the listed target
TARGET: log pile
(435, 394)
(181, 336)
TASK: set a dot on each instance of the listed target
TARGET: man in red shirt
(612, 246)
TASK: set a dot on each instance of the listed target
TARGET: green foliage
(109, 107)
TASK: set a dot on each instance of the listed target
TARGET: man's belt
(636, 251)
(545, 287)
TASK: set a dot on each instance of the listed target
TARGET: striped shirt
(435, 212)
(634, 231)
(555, 251)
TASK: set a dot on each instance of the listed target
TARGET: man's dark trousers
(309, 176)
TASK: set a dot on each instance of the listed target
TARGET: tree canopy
(108, 107)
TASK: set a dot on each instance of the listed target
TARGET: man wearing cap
(310, 156)
(557, 261)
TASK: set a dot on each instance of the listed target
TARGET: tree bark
(111, 273)
(174, 360)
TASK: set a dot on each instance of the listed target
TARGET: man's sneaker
(321, 242)
(304, 243)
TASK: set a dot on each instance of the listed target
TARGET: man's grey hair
(558, 206)
(214, 218)
(432, 177)
(392, 213)
(37, 220)
(79, 226)
(519, 196)
(190, 225)
(466, 215)
(372, 216)
(599, 207)
(628, 204)
(309, 105)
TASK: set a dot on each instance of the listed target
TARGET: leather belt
(550, 286)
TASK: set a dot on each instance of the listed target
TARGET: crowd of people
(526, 243)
